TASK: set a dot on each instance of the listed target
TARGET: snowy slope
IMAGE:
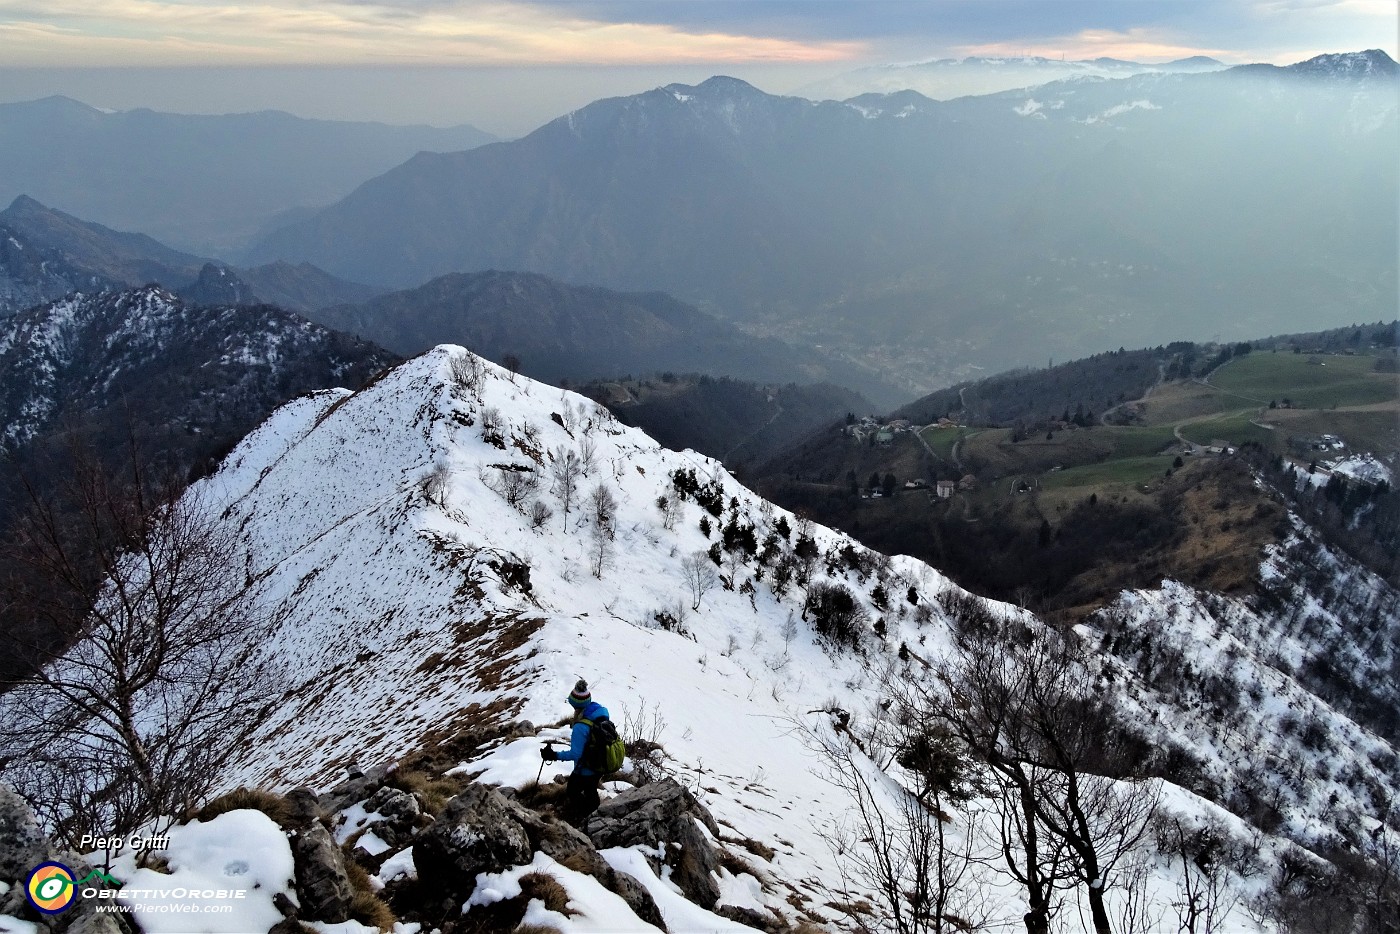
(378, 524)
(145, 351)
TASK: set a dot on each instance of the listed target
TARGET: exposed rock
(659, 804)
(282, 903)
(482, 830)
(557, 839)
(565, 844)
(400, 811)
(23, 843)
(664, 813)
(90, 922)
(479, 831)
(694, 861)
(633, 893)
(322, 882)
(290, 926)
(748, 916)
(304, 807)
(357, 786)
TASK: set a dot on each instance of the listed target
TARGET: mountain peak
(63, 104)
(718, 86)
(728, 85)
(1371, 63)
(23, 204)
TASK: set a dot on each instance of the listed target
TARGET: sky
(508, 66)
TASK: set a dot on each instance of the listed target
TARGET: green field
(941, 440)
(1236, 428)
(1331, 381)
(1124, 470)
(1139, 440)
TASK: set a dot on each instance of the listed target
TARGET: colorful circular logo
(51, 888)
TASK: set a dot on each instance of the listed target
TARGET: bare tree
(515, 483)
(789, 629)
(1092, 800)
(565, 470)
(161, 684)
(671, 508)
(603, 505)
(469, 371)
(897, 843)
(588, 453)
(1070, 809)
(1204, 898)
(434, 485)
(600, 552)
(700, 575)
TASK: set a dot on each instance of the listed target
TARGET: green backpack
(604, 750)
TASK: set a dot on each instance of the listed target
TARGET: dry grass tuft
(539, 795)
(547, 889)
(274, 806)
(761, 850)
(433, 790)
(366, 906)
(737, 865)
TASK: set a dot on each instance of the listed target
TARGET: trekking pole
(548, 744)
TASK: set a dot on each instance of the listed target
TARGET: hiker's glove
(548, 754)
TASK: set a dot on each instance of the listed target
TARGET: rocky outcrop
(482, 830)
(23, 846)
(479, 831)
(665, 813)
(357, 787)
(400, 812)
(303, 807)
(25, 843)
(323, 885)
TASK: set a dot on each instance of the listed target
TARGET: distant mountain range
(45, 254)
(203, 183)
(946, 78)
(562, 332)
(927, 239)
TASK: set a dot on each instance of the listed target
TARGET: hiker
(581, 794)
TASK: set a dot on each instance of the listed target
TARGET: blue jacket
(579, 738)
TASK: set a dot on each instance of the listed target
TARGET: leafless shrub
(700, 576)
(434, 485)
(468, 372)
(601, 552)
(565, 470)
(163, 683)
(515, 483)
(602, 504)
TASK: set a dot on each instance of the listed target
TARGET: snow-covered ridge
(426, 593)
(337, 500)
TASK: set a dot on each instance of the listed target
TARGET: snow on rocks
(221, 875)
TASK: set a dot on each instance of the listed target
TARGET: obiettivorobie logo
(51, 887)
